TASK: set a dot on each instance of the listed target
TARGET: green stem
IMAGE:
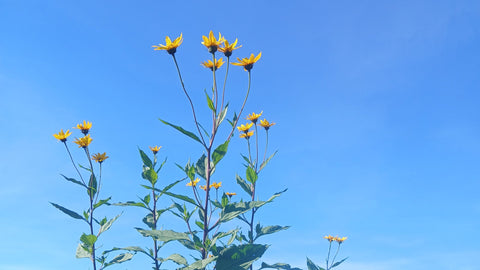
(154, 213)
(256, 146)
(336, 253)
(266, 146)
(91, 196)
(243, 106)
(189, 99)
(328, 256)
(75, 166)
(225, 82)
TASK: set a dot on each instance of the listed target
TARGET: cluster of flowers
(213, 44)
(212, 185)
(83, 142)
(339, 240)
(247, 133)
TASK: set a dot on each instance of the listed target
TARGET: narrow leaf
(107, 225)
(163, 235)
(220, 152)
(146, 160)
(74, 181)
(251, 175)
(68, 212)
(338, 263)
(244, 185)
(188, 133)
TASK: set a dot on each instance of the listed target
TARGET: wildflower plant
(87, 248)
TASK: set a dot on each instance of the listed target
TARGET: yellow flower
(204, 187)
(246, 135)
(227, 49)
(155, 149)
(85, 127)
(193, 183)
(254, 117)
(230, 194)
(264, 123)
(62, 136)
(216, 185)
(170, 47)
(211, 42)
(209, 64)
(340, 239)
(247, 63)
(330, 238)
(83, 142)
(99, 157)
(245, 127)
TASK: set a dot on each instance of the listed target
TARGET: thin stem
(225, 82)
(328, 256)
(189, 99)
(75, 166)
(243, 106)
(91, 196)
(249, 152)
(214, 69)
(99, 182)
(338, 248)
(154, 213)
(266, 146)
(205, 213)
(256, 146)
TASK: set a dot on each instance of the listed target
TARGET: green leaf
(188, 244)
(88, 239)
(92, 185)
(131, 248)
(82, 252)
(251, 175)
(101, 202)
(85, 168)
(131, 203)
(201, 165)
(260, 231)
(148, 219)
(150, 175)
(107, 225)
(146, 199)
(146, 160)
(199, 224)
(176, 258)
(312, 266)
(74, 181)
(69, 212)
(210, 103)
(182, 197)
(200, 264)
(221, 116)
(163, 235)
(188, 133)
(244, 185)
(278, 266)
(239, 257)
(337, 263)
(267, 160)
(120, 259)
(220, 152)
(233, 210)
(224, 200)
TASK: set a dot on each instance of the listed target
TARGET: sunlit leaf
(188, 133)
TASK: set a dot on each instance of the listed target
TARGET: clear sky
(376, 105)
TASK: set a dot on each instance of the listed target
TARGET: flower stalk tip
(227, 48)
(211, 42)
(100, 157)
(170, 46)
(209, 64)
(84, 142)
(84, 127)
(247, 63)
(155, 149)
(62, 136)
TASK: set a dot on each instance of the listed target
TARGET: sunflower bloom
(230, 194)
(84, 142)
(155, 149)
(211, 66)
(227, 48)
(204, 187)
(99, 157)
(340, 239)
(85, 127)
(254, 117)
(245, 128)
(170, 47)
(265, 124)
(247, 135)
(329, 238)
(193, 183)
(247, 63)
(62, 136)
(211, 42)
(216, 185)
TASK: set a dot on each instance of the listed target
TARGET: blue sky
(376, 105)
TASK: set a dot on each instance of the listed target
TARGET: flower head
(230, 194)
(209, 64)
(204, 187)
(211, 42)
(99, 157)
(247, 135)
(193, 183)
(216, 185)
(84, 142)
(155, 149)
(329, 238)
(254, 117)
(62, 136)
(227, 49)
(170, 47)
(245, 127)
(265, 124)
(85, 127)
(340, 239)
(247, 63)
